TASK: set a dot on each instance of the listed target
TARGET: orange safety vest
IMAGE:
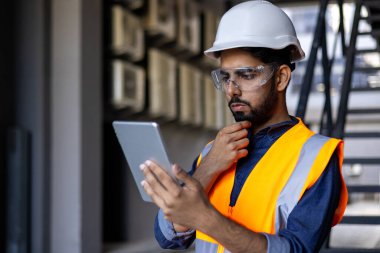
(291, 166)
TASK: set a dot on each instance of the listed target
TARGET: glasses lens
(216, 77)
(246, 78)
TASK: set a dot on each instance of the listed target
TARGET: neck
(280, 114)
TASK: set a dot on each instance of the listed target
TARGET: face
(256, 105)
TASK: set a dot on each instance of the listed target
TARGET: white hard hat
(256, 24)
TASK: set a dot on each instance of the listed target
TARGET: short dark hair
(269, 55)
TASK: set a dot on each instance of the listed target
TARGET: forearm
(206, 174)
(231, 235)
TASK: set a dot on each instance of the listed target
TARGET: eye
(246, 74)
(224, 76)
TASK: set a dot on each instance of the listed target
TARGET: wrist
(211, 168)
(179, 228)
(209, 220)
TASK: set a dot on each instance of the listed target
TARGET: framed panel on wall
(161, 19)
(128, 87)
(127, 34)
(214, 105)
(188, 25)
(211, 21)
(209, 103)
(134, 4)
(162, 84)
(190, 95)
(220, 105)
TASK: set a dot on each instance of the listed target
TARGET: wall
(31, 76)
(6, 108)
(76, 126)
(55, 71)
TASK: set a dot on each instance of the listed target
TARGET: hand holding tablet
(141, 141)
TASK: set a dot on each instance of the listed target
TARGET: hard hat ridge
(256, 24)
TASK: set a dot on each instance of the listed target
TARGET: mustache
(238, 100)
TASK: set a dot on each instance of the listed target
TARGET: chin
(241, 116)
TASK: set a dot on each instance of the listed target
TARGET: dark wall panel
(6, 102)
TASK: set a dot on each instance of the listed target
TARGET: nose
(232, 89)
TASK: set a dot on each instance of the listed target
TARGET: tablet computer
(141, 141)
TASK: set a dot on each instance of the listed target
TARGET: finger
(237, 126)
(240, 144)
(238, 135)
(155, 198)
(152, 179)
(162, 176)
(234, 147)
(242, 153)
(181, 175)
(236, 155)
(245, 124)
(235, 132)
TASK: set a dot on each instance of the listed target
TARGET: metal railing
(336, 128)
(320, 43)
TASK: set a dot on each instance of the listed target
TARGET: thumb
(181, 175)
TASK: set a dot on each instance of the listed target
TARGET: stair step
(363, 188)
(371, 18)
(362, 161)
(365, 51)
(344, 250)
(359, 89)
(364, 33)
(365, 220)
(364, 111)
(362, 135)
(373, 33)
(367, 69)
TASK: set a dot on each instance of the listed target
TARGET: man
(266, 183)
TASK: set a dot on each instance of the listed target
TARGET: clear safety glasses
(244, 78)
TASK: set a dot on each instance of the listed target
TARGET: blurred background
(70, 68)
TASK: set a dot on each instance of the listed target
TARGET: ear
(283, 77)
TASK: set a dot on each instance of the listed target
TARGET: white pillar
(76, 126)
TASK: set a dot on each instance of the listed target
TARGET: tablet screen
(141, 141)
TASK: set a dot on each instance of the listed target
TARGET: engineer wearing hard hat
(266, 183)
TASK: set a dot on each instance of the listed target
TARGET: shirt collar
(278, 126)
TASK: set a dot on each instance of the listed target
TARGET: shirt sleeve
(165, 233)
(313, 213)
(168, 238)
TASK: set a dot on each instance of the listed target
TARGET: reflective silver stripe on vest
(205, 247)
(290, 194)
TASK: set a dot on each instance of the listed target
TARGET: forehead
(235, 58)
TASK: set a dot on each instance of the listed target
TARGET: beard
(262, 113)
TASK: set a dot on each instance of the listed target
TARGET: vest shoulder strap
(294, 188)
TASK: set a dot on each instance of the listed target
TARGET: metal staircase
(345, 111)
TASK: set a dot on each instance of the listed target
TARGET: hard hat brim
(297, 54)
